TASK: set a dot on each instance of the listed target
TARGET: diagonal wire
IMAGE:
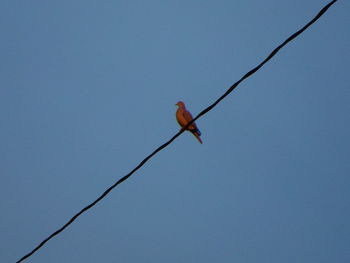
(247, 75)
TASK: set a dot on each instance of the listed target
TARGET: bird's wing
(188, 117)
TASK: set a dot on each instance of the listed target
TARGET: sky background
(88, 89)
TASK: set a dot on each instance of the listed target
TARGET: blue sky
(88, 89)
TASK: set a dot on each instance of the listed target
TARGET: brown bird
(183, 117)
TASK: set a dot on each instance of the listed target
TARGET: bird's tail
(197, 135)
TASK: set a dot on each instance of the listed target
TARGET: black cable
(247, 75)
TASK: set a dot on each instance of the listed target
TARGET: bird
(183, 117)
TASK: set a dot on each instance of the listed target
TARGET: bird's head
(181, 104)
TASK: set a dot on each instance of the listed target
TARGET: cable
(247, 75)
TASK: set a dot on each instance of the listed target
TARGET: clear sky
(88, 89)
